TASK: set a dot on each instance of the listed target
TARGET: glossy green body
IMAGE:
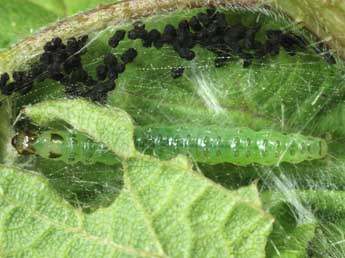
(239, 146)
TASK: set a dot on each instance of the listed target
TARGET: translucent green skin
(239, 146)
(72, 148)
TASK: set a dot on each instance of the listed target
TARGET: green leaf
(20, 18)
(292, 231)
(56, 6)
(164, 211)
(83, 5)
(291, 242)
(65, 8)
(320, 200)
(292, 234)
(111, 126)
(329, 239)
(325, 201)
(333, 121)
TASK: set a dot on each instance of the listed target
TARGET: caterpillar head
(23, 143)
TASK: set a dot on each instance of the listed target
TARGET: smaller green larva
(239, 146)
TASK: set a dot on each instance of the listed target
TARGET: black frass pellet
(154, 37)
(116, 38)
(169, 34)
(129, 55)
(110, 59)
(195, 24)
(79, 75)
(234, 33)
(101, 72)
(177, 72)
(249, 39)
(112, 73)
(120, 68)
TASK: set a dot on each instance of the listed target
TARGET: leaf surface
(164, 211)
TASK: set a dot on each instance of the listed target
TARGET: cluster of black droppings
(112, 67)
(58, 62)
(211, 30)
(63, 63)
(22, 83)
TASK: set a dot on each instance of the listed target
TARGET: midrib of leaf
(146, 216)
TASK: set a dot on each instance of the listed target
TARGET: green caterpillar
(240, 146)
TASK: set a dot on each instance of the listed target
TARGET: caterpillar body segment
(239, 146)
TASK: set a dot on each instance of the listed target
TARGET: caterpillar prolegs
(239, 146)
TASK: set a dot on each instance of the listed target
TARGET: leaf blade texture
(37, 222)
